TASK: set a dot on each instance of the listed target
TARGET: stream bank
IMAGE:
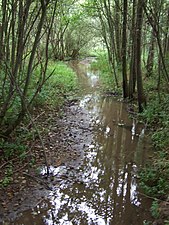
(95, 152)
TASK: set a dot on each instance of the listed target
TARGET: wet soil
(94, 151)
(66, 139)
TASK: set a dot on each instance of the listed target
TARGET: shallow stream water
(103, 188)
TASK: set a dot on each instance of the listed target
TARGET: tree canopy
(134, 34)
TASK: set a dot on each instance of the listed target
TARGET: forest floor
(65, 134)
(64, 143)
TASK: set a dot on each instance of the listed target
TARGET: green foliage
(11, 149)
(13, 108)
(60, 86)
(156, 116)
(7, 177)
(160, 138)
(155, 209)
(106, 76)
(150, 85)
(154, 178)
(152, 113)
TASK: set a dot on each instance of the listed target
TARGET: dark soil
(65, 135)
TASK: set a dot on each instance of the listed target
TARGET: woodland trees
(31, 32)
(135, 34)
(22, 29)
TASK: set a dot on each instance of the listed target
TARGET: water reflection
(103, 190)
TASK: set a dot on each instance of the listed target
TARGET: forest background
(130, 40)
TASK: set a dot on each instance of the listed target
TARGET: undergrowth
(106, 76)
(60, 87)
(154, 178)
(156, 116)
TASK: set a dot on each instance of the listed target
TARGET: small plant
(7, 177)
(105, 73)
(160, 138)
(155, 209)
(32, 162)
(154, 179)
(60, 86)
(10, 149)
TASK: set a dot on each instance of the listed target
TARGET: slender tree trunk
(152, 18)
(141, 97)
(117, 26)
(3, 28)
(124, 51)
(108, 35)
(132, 79)
(166, 40)
(29, 71)
(150, 59)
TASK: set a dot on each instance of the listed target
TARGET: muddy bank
(67, 137)
(94, 151)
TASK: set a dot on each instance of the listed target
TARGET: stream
(101, 187)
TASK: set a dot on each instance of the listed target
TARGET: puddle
(103, 189)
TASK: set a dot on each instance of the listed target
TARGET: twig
(9, 161)
(6, 163)
(38, 180)
(153, 198)
(20, 168)
(36, 118)
(31, 119)
(41, 140)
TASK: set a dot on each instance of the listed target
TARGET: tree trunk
(150, 59)
(141, 97)
(117, 26)
(124, 51)
(29, 72)
(132, 79)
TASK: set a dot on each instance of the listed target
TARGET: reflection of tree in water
(108, 193)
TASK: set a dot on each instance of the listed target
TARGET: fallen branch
(20, 168)
(25, 106)
(6, 163)
(38, 180)
(35, 119)
(10, 161)
(153, 198)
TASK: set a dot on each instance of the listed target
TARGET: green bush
(106, 76)
(154, 179)
(11, 149)
(6, 180)
(155, 209)
(160, 138)
(62, 84)
(156, 116)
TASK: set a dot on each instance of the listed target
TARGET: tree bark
(132, 79)
(141, 96)
(124, 51)
(150, 58)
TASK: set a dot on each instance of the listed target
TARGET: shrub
(61, 85)
(106, 76)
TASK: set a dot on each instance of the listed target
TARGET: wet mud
(94, 152)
